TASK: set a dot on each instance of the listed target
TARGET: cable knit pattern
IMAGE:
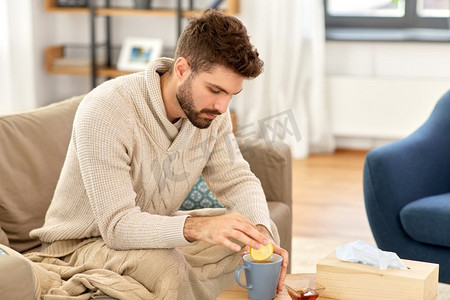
(128, 169)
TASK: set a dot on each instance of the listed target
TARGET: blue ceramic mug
(261, 277)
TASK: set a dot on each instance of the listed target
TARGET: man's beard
(184, 98)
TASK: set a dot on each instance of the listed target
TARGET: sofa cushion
(200, 197)
(427, 220)
(33, 146)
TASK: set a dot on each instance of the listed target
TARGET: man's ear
(182, 68)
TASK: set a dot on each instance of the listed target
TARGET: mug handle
(236, 277)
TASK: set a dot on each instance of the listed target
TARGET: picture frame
(136, 53)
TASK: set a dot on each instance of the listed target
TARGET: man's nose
(222, 104)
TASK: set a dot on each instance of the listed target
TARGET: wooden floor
(328, 197)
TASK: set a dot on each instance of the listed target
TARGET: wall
(380, 92)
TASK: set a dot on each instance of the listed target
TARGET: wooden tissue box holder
(348, 281)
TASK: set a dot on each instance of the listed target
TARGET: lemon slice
(263, 253)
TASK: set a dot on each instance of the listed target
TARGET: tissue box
(348, 281)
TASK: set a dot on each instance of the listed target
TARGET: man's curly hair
(217, 39)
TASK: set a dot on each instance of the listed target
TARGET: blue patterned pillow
(200, 197)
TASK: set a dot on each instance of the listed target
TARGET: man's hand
(218, 230)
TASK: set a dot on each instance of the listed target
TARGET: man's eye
(214, 91)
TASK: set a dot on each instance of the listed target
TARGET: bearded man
(138, 145)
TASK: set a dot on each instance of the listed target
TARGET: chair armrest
(273, 167)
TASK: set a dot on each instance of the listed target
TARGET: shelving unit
(52, 53)
(119, 11)
(52, 6)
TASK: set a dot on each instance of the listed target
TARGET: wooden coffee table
(237, 292)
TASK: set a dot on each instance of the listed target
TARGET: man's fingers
(245, 239)
(284, 265)
(285, 256)
(253, 237)
(220, 229)
(250, 229)
(242, 230)
(230, 245)
(282, 277)
(245, 250)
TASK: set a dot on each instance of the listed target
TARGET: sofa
(33, 146)
(407, 192)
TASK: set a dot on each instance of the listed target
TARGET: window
(387, 14)
(433, 8)
(374, 8)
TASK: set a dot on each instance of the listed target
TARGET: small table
(237, 292)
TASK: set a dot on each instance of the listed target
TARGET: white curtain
(5, 67)
(288, 99)
(17, 62)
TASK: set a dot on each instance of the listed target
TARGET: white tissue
(360, 252)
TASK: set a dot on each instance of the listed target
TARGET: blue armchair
(407, 192)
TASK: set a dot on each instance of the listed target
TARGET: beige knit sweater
(128, 169)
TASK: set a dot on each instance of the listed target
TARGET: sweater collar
(155, 103)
